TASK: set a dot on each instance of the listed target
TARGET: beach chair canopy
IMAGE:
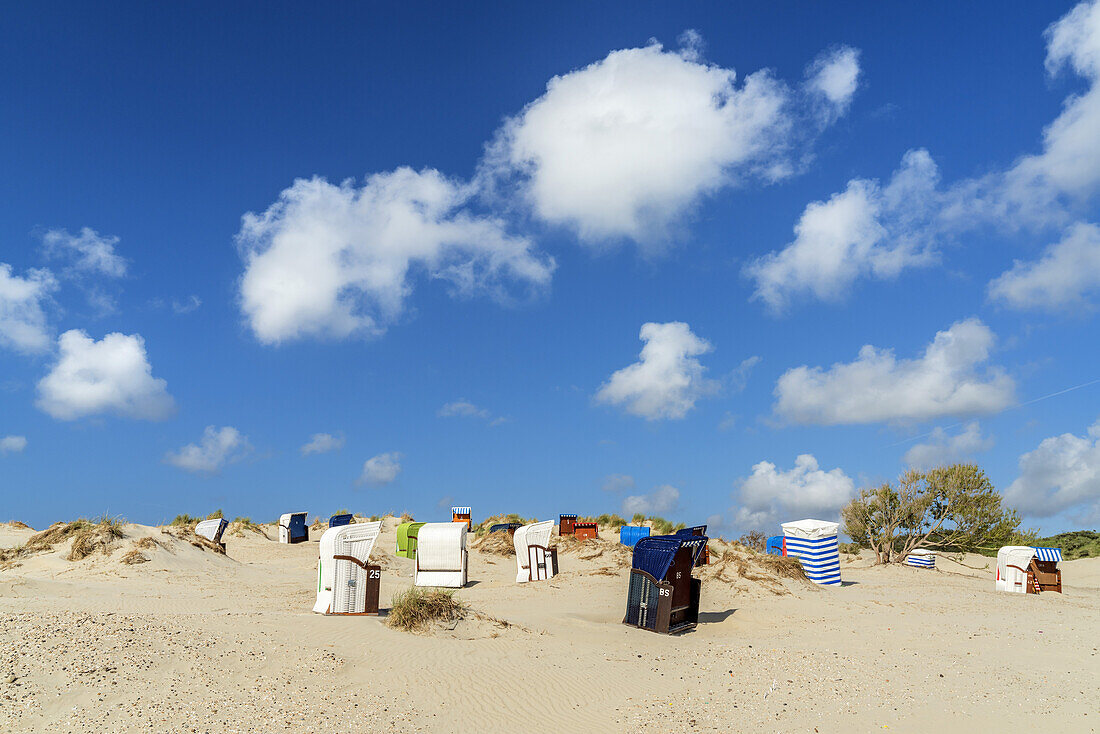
(337, 577)
(655, 554)
(460, 510)
(342, 519)
(630, 534)
(567, 517)
(212, 529)
(441, 546)
(502, 526)
(1049, 554)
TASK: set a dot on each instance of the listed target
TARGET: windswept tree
(951, 508)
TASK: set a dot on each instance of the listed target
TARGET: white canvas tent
(339, 581)
(441, 555)
(532, 547)
(1012, 563)
(921, 558)
(814, 543)
(212, 530)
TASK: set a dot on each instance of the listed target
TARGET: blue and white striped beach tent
(1049, 554)
(814, 543)
(921, 558)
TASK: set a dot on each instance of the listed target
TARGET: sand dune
(194, 640)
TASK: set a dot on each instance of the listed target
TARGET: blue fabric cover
(504, 526)
(1049, 554)
(338, 520)
(654, 554)
(775, 545)
(297, 527)
(631, 534)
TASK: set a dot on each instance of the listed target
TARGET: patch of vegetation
(417, 609)
(134, 557)
(483, 527)
(612, 521)
(184, 520)
(240, 524)
(96, 535)
(754, 540)
(215, 515)
(850, 548)
(1075, 544)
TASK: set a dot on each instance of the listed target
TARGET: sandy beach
(196, 641)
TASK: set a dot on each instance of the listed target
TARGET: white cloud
(217, 448)
(618, 483)
(1063, 473)
(1062, 278)
(942, 449)
(944, 381)
(23, 325)
(866, 231)
(661, 501)
(463, 408)
(627, 146)
(335, 261)
(89, 251)
(381, 469)
(322, 443)
(112, 375)
(770, 496)
(667, 379)
(12, 444)
(835, 76)
(187, 305)
(740, 376)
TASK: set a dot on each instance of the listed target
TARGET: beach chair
(346, 582)
(586, 530)
(565, 524)
(1022, 569)
(441, 555)
(775, 546)
(406, 538)
(212, 530)
(698, 531)
(631, 534)
(508, 527)
(292, 528)
(814, 544)
(462, 514)
(339, 520)
(535, 559)
(921, 558)
(662, 596)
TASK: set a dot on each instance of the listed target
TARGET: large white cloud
(865, 231)
(626, 146)
(217, 448)
(1064, 277)
(945, 380)
(667, 379)
(942, 449)
(661, 501)
(771, 495)
(112, 375)
(381, 469)
(333, 261)
(23, 323)
(1062, 473)
(89, 251)
(12, 444)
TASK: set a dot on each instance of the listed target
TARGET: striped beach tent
(1049, 554)
(814, 543)
(921, 558)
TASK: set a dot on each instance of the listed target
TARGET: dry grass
(418, 610)
(187, 534)
(134, 557)
(241, 524)
(607, 550)
(497, 544)
(18, 525)
(87, 536)
(743, 564)
(146, 542)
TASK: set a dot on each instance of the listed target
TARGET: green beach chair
(406, 538)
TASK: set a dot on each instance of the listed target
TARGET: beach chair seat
(441, 555)
(535, 559)
(347, 584)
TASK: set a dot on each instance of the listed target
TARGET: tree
(950, 508)
(755, 540)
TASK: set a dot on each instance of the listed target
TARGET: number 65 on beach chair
(535, 559)
(346, 582)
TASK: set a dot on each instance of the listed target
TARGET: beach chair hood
(212, 529)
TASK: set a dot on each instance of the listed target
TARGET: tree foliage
(951, 508)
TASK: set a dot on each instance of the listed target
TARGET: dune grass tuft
(497, 544)
(134, 557)
(417, 609)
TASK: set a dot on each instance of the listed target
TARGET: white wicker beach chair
(342, 568)
(534, 559)
(212, 530)
(441, 555)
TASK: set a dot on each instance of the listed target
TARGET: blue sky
(853, 239)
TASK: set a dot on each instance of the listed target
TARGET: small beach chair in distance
(535, 559)
(1022, 569)
(586, 530)
(921, 558)
(406, 538)
(336, 521)
(505, 527)
(441, 555)
(212, 530)
(662, 596)
(347, 584)
(462, 514)
(293, 528)
(565, 524)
